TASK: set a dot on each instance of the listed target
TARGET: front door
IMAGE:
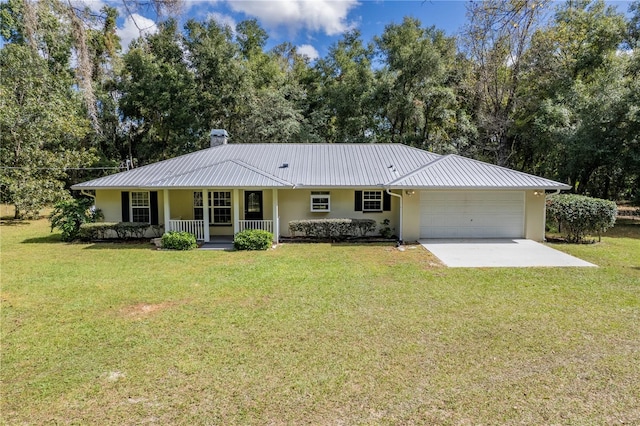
(253, 205)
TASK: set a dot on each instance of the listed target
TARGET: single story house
(226, 188)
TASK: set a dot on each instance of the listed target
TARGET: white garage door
(472, 214)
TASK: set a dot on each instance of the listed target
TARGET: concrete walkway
(498, 253)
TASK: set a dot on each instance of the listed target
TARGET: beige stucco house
(422, 194)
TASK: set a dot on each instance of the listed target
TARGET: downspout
(400, 225)
(84, 192)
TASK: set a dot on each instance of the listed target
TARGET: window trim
(366, 198)
(314, 201)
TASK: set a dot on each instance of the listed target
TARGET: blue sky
(314, 25)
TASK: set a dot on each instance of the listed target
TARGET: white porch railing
(195, 227)
(265, 225)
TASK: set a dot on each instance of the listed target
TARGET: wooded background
(543, 87)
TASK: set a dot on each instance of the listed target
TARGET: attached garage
(472, 214)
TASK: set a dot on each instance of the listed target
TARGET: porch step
(217, 246)
(219, 243)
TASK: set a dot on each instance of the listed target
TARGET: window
(371, 201)
(320, 201)
(140, 207)
(219, 207)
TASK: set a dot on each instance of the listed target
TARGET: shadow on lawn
(14, 222)
(49, 239)
(120, 245)
(361, 244)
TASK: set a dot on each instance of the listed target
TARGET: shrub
(69, 215)
(386, 231)
(95, 231)
(176, 240)
(122, 230)
(126, 230)
(332, 228)
(577, 215)
(253, 239)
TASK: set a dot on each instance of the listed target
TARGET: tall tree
(42, 123)
(417, 88)
(221, 80)
(159, 100)
(496, 38)
(572, 125)
(347, 90)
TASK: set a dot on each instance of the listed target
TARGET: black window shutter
(358, 201)
(124, 196)
(386, 201)
(153, 204)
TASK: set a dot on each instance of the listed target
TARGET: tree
(42, 124)
(416, 90)
(346, 90)
(221, 80)
(573, 124)
(496, 39)
(159, 100)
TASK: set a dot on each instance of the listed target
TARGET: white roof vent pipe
(219, 137)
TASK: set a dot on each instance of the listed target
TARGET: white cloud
(309, 51)
(223, 20)
(93, 5)
(134, 26)
(328, 16)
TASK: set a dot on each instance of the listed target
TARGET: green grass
(314, 334)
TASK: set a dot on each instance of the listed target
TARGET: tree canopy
(546, 88)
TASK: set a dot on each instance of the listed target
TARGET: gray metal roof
(456, 172)
(318, 166)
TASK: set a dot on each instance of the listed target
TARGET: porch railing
(195, 227)
(265, 225)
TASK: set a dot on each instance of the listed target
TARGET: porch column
(205, 213)
(167, 210)
(276, 219)
(236, 211)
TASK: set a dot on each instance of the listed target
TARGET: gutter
(388, 190)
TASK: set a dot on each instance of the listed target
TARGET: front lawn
(314, 334)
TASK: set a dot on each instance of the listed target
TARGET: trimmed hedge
(253, 239)
(179, 240)
(122, 230)
(332, 228)
(577, 215)
(96, 231)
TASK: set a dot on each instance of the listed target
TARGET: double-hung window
(371, 201)
(219, 204)
(320, 201)
(221, 207)
(140, 207)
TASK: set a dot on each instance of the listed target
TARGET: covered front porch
(228, 211)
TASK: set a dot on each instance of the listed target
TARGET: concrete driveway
(498, 253)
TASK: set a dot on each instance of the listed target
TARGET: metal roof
(318, 166)
(456, 172)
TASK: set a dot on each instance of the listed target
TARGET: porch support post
(205, 213)
(276, 219)
(167, 210)
(236, 211)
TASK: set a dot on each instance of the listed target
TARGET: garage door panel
(472, 214)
